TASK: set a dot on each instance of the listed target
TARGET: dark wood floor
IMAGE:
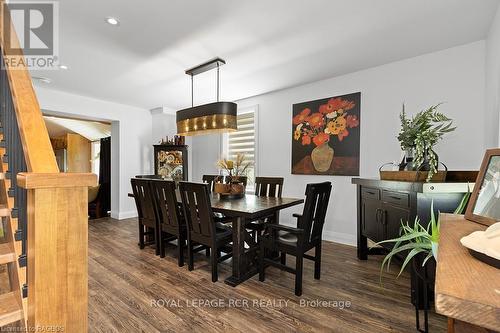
(125, 282)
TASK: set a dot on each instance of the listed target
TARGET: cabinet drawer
(397, 198)
(368, 192)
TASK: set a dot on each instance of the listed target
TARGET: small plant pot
(221, 188)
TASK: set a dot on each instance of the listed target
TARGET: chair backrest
(150, 176)
(198, 211)
(144, 201)
(313, 216)
(211, 180)
(268, 186)
(166, 203)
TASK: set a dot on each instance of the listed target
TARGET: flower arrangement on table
(331, 119)
(234, 170)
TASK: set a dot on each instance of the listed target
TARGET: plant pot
(421, 277)
(222, 188)
(322, 157)
(237, 188)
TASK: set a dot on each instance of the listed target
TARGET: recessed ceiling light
(63, 67)
(112, 21)
(42, 79)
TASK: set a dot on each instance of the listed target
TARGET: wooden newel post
(57, 250)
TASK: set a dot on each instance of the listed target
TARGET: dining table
(241, 211)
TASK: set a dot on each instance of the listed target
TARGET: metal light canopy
(208, 118)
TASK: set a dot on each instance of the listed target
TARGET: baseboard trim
(337, 237)
(124, 215)
(340, 237)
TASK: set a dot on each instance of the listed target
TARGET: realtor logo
(31, 28)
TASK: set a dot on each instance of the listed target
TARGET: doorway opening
(84, 146)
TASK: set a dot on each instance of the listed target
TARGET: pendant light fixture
(209, 118)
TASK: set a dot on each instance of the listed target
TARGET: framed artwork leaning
(484, 204)
(326, 136)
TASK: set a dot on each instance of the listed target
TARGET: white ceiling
(268, 44)
(91, 130)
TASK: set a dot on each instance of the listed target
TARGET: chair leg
(162, 245)
(298, 274)
(180, 252)
(190, 256)
(158, 240)
(283, 258)
(317, 262)
(213, 262)
(262, 273)
(207, 252)
(141, 236)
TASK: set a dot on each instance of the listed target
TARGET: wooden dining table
(243, 211)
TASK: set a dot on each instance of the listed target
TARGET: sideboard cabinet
(384, 205)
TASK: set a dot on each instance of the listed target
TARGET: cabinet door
(392, 218)
(371, 219)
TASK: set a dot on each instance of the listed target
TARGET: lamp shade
(208, 118)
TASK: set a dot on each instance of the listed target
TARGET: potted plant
(418, 239)
(235, 170)
(421, 247)
(418, 136)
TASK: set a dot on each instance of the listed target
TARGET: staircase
(43, 213)
(12, 202)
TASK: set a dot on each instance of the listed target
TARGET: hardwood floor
(132, 290)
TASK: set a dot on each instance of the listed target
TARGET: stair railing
(51, 209)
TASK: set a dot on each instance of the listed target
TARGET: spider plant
(418, 239)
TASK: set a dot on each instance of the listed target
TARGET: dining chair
(146, 212)
(202, 228)
(170, 219)
(265, 187)
(297, 241)
(149, 176)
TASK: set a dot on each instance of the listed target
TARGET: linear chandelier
(209, 118)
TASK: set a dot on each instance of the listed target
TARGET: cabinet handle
(370, 192)
(384, 217)
(395, 198)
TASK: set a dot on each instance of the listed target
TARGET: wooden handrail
(57, 231)
(37, 149)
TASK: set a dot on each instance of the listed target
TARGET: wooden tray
(412, 176)
(484, 258)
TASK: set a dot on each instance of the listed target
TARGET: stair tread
(4, 210)
(7, 254)
(10, 308)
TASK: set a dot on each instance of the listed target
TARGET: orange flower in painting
(338, 103)
(316, 120)
(343, 134)
(321, 138)
(302, 116)
(323, 109)
(306, 140)
(352, 121)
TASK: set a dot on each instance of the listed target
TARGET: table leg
(238, 252)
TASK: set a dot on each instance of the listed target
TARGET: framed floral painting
(325, 136)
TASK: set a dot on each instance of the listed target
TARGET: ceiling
(268, 44)
(91, 130)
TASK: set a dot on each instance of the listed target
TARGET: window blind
(243, 141)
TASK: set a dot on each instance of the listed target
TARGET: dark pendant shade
(215, 117)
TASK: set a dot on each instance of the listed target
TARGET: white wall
(163, 125)
(493, 78)
(455, 76)
(131, 150)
